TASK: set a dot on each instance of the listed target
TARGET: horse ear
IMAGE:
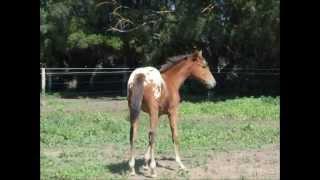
(195, 55)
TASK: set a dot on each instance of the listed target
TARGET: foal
(157, 93)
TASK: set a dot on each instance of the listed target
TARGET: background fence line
(115, 79)
(117, 72)
(87, 68)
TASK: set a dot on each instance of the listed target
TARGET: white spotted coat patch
(152, 77)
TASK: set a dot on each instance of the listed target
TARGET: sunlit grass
(80, 144)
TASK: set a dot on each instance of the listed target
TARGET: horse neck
(177, 74)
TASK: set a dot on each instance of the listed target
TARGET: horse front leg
(173, 118)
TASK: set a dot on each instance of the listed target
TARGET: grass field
(89, 139)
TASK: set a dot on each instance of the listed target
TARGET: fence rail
(64, 73)
(115, 78)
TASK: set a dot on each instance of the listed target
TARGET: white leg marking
(178, 160)
(131, 165)
(146, 159)
(153, 164)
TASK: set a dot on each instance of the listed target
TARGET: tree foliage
(233, 34)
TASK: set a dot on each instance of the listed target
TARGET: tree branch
(127, 30)
(112, 2)
(208, 8)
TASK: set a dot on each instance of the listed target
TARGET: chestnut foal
(157, 93)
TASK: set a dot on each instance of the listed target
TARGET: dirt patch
(87, 105)
(52, 152)
(257, 164)
(250, 164)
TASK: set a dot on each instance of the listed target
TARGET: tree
(234, 34)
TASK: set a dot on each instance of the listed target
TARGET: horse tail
(136, 96)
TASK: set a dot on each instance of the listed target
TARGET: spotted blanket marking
(152, 77)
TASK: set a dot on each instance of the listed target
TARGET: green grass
(84, 144)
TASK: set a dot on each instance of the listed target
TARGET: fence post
(43, 81)
(49, 82)
(209, 94)
(124, 84)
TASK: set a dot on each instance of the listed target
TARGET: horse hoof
(183, 169)
(132, 173)
(145, 167)
(154, 175)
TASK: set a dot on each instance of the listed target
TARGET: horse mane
(173, 60)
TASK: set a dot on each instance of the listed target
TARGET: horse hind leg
(135, 97)
(152, 161)
(152, 134)
(147, 158)
(133, 133)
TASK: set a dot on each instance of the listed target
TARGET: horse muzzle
(211, 84)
